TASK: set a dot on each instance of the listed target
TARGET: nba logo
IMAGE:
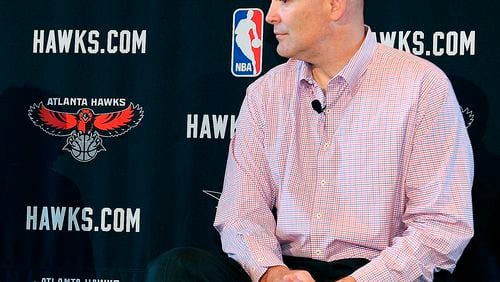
(246, 57)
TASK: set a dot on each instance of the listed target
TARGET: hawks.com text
(438, 43)
(83, 219)
(75, 41)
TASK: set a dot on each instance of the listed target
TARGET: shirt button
(260, 259)
(326, 146)
(327, 111)
(319, 215)
(317, 252)
(322, 182)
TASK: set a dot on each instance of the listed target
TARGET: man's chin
(283, 53)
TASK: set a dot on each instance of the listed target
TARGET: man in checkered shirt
(350, 162)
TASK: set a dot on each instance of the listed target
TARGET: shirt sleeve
(244, 216)
(438, 215)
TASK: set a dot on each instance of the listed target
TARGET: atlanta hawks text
(94, 102)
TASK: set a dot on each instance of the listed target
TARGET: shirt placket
(321, 225)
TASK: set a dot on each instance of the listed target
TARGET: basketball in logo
(84, 147)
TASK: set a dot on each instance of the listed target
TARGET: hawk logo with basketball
(85, 128)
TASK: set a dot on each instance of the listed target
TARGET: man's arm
(438, 214)
(244, 216)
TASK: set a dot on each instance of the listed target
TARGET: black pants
(190, 264)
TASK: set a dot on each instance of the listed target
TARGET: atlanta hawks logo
(85, 128)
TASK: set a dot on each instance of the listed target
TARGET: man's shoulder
(279, 74)
(407, 71)
(402, 61)
(276, 87)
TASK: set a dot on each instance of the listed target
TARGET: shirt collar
(354, 69)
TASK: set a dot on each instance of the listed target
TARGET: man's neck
(329, 64)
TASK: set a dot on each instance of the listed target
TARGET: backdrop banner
(116, 117)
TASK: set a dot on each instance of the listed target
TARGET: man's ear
(338, 8)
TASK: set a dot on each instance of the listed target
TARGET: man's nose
(272, 16)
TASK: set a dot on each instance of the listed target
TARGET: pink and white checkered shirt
(384, 173)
